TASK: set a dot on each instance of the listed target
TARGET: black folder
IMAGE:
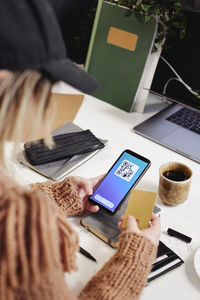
(165, 261)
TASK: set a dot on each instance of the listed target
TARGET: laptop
(176, 127)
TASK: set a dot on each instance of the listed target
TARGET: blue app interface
(118, 181)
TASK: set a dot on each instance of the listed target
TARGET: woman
(37, 244)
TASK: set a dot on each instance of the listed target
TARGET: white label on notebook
(160, 258)
(154, 273)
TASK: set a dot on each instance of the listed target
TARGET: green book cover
(120, 44)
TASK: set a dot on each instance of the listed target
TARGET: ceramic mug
(174, 182)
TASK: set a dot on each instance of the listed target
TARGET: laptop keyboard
(186, 118)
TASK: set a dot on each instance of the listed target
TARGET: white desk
(115, 125)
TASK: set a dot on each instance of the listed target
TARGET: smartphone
(124, 174)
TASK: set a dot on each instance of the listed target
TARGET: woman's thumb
(131, 223)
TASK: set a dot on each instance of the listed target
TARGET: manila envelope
(65, 108)
(140, 205)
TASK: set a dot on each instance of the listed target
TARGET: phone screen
(119, 180)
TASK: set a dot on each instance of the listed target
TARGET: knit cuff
(130, 243)
(64, 193)
(67, 198)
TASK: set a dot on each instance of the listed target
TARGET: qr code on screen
(126, 170)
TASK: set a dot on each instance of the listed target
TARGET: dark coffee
(175, 175)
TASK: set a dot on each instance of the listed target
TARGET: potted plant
(170, 21)
(169, 15)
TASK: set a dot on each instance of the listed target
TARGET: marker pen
(179, 235)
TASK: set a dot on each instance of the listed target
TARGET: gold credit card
(140, 205)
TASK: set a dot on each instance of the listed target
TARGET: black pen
(179, 235)
(87, 254)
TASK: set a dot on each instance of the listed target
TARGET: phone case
(57, 169)
(66, 146)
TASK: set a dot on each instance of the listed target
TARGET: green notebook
(120, 44)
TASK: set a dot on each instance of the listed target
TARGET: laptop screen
(183, 56)
(183, 96)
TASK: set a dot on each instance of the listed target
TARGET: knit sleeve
(125, 274)
(64, 193)
(37, 244)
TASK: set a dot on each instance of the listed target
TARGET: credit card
(140, 205)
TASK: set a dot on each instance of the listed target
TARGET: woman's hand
(152, 233)
(85, 188)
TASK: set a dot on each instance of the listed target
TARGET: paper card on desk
(140, 205)
(67, 107)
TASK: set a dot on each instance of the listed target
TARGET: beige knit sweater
(37, 245)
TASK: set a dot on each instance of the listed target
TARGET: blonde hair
(37, 246)
(24, 108)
